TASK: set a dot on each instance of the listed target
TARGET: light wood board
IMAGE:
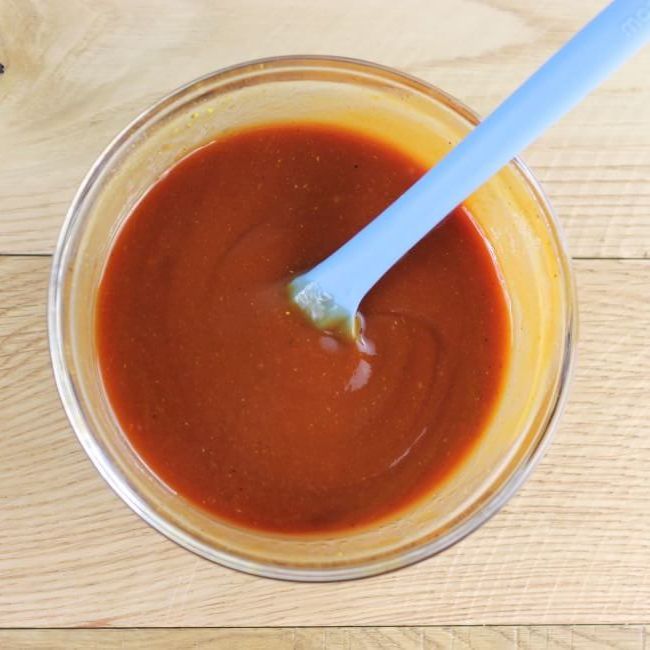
(77, 72)
(587, 637)
(572, 547)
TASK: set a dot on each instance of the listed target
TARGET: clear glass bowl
(512, 212)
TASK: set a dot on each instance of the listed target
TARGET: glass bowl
(512, 212)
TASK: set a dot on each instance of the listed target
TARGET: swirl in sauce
(242, 407)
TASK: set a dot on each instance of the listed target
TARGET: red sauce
(239, 404)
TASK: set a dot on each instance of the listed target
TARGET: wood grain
(572, 547)
(588, 637)
(77, 72)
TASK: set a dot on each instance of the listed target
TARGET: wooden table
(571, 549)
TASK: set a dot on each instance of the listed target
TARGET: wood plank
(588, 637)
(183, 639)
(77, 72)
(571, 547)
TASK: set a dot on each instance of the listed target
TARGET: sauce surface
(240, 405)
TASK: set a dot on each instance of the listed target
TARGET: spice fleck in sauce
(239, 404)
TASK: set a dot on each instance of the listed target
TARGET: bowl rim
(105, 465)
